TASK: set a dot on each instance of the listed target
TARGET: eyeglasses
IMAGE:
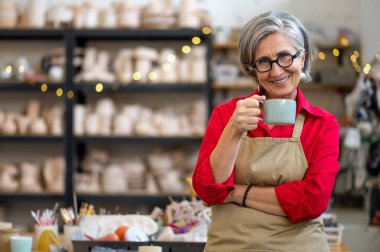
(284, 60)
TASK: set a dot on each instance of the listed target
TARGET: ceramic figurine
(53, 118)
(144, 61)
(60, 16)
(105, 125)
(105, 107)
(168, 62)
(92, 124)
(128, 15)
(123, 66)
(188, 14)
(38, 127)
(86, 183)
(23, 123)
(53, 173)
(56, 73)
(33, 109)
(30, 177)
(35, 13)
(198, 69)
(107, 18)
(9, 126)
(8, 178)
(95, 67)
(86, 15)
(122, 125)
(8, 14)
(22, 68)
(114, 180)
(198, 118)
(80, 111)
(183, 69)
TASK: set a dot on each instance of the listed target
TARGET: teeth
(280, 81)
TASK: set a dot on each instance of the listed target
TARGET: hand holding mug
(246, 114)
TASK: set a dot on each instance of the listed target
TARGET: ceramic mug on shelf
(279, 111)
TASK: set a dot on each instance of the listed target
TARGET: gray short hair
(268, 23)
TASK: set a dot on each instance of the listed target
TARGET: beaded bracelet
(246, 195)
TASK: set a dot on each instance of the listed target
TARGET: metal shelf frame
(71, 39)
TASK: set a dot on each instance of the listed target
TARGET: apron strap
(298, 125)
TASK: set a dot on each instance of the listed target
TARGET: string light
(336, 52)
(196, 40)
(344, 42)
(171, 58)
(186, 49)
(353, 58)
(152, 76)
(206, 30)
(21, 69)
(8, 69)
(356, 53)
(136, 76)
(99, 87)
(59, 92)
(166, 67)
(44, 87)
(70, 94)
(322, 55)
(366, 68)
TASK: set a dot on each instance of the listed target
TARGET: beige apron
(266, 161)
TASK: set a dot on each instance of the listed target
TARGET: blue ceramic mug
(279, 111)
(21, 243)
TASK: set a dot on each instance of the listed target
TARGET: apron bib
(266, 161)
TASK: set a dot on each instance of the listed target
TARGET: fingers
(247, 112)
(258, 97)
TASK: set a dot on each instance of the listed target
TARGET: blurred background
(107, 101)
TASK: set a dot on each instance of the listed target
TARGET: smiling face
(279, 82)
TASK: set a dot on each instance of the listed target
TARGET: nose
(276, 69)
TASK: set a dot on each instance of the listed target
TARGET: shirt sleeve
(203, 179)
(308, 198)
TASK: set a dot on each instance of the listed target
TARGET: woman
(268, 184)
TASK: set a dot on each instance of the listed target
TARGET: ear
(303, 58)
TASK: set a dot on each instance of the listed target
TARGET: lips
(280, 81)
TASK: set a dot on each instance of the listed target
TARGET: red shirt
(301, 199)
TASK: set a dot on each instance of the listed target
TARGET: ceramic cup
(279, 111)
(68, 232)
(45, 231)
(21, 243)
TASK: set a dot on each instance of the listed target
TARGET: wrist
(245, 196)
(233, 129)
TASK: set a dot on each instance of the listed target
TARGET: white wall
(333, 13)
(370, 28)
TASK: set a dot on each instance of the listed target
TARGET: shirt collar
(302, 103)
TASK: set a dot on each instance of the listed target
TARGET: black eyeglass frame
(251, 67)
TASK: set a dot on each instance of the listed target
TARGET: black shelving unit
(30, 87)
(75, 145)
